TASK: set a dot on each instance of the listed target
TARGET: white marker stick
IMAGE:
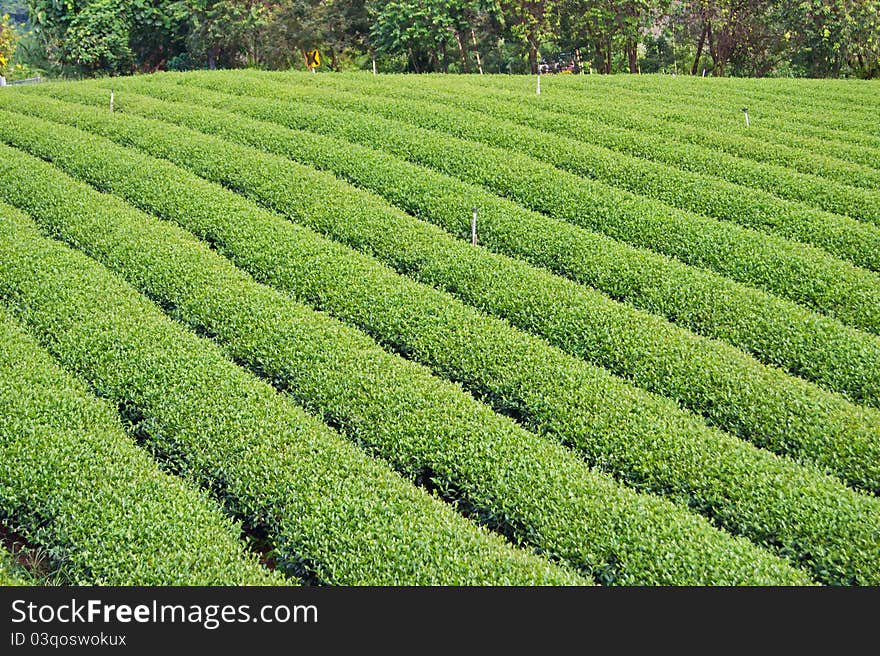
(474, 228)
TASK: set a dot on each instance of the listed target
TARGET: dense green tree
(109, 36)
(226, 32)
(724, 37)
(425, 31)
(833, 37)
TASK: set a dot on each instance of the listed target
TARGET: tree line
(816, 38)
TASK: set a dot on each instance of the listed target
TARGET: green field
(246, 338)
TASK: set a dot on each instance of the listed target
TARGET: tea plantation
(343, 329)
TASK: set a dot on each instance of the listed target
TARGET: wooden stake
(474, 227)
(111, 100)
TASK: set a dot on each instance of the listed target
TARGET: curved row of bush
(804, 274)
(855, 146)
(852, 97)
(805, 97)
(722, 114)
(551, 156)
(330, 512)
(536, 491)
(635, 117)
(811, 114)
(782, 182)
(74, 482)
(617, 427)
(646, 111)
(778, 331)
(729, 388)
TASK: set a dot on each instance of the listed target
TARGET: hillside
(263, 328)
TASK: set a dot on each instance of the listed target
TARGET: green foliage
(779, 332)
(535, 491)
(331, 513)
(615, 426)
(262, 457)
(221, 30)
(834, 37)
(803, 274)
(98, 38)
(76, 483)
(89, 37)
(426, 33)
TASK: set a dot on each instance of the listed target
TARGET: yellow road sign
(314, 58)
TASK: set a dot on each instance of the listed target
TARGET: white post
(374, 65)
(2, 81)
(111, 100)
(474, 227)
(746, 112)
(538, 89)
(704, 72)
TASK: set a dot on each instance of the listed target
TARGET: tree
(419, 29)
(226, 30)
(632, 18)
(333, 26)
(8, 42)
(832, 37)
(532, 22)
(98, 38)
(730, 29)
(86, 36)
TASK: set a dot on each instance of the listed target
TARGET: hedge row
(74, 482)
(561, 163)
(635, 116)
(852, 98)
(524, 485)
(802, 273)
(329, 512)
(779, 332)
(730, 389)
(616, 426)
(810, 114)
(446, 112)
(643, 112)
(723, 115)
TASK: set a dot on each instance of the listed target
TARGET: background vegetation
(814, 38)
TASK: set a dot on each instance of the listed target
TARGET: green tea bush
(773, 410)
(104, 512)
(330, 513)
(533, 490)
